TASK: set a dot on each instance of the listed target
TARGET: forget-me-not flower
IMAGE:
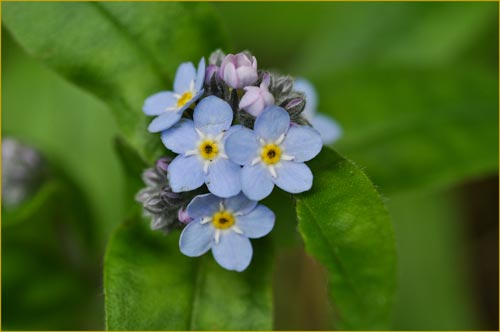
(328, 128)
(169, 105)
(273, 153)
(200, 145)
(225, 226)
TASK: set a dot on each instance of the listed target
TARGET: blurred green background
(415, 87)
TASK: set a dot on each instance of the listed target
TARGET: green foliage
(416, 129)
(346, 227)
(418, 34)
(416, 94)
(433, 290)
(334, 36)
(150, 285)
(70, 127)
(30, 206)
(50, 250)
(52, 244)
(134, 60)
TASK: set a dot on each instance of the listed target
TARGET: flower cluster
(237, 131)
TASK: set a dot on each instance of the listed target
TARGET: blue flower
(225, 226)
(328, 128)
(200, 145)
(168, 105)
(273, 153)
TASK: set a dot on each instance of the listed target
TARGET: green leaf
(84, 135)
(150, 285)
(416, 129)
(121, 53)
(346, 227)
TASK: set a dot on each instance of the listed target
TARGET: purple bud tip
(163, 163)
(294, 102)
(183, 216)
(210, 72)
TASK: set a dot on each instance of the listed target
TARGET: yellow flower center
(208, 149)
(223, 220)
(186, 96)
(271, 154)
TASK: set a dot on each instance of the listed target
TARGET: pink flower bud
(210, 72)
(238, 70)
(256, 98)
(183, 216)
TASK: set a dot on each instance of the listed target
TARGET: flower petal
(185, 173)
(247, 76)
(293, 177)
(252, 93)
(241, 146)
(212, 115)
(239, 204)
(200, 75)
(328, 128)
(230, 131)
(196, 239)
(223, 178)
(186, 73)
(305, 86)
(164, 121)
(233, 252)
(258, 223)
(257, 107)
(242, 59)
(272, 123)
(203, 206)
(229, 75)
(256, 182)
(190, 102)
(159, 102)
(181, 137)
(302, 142)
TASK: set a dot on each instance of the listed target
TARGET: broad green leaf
(150, 285)
(69, 125)
(121, 53)
(346, 227)
(415, 129)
